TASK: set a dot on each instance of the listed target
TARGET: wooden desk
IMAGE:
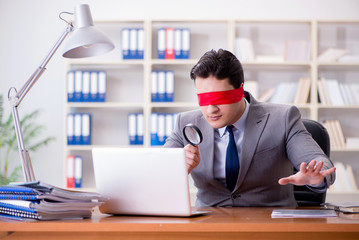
(222, 223)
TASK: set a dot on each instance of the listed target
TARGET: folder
(161, 43)
(77, 129)
(132, 128)
(78, 86)
(94, 87)
(85, 129)
(71, 86)
(70, 171)
(161, 78)
(140, 43)
(78, 171)
(86, 86)
(139, 129)
(169, 93)
(153, 129)
(186, 43)
(169, 125)
(169, 43)
(161, 129)
(70, 129)
(102, 79)
(133, 43)
(125, 43)
(178, 43)
(154, 87)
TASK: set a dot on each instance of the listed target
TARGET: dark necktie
(232, 161)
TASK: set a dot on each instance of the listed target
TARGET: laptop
(143, 181)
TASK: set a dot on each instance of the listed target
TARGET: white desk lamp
(85, 41)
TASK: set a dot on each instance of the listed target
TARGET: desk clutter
(41, 201)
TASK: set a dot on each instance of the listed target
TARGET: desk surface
(230, 223)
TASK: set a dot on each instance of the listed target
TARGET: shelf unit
(128, 81)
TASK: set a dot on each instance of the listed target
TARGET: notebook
(143, 181)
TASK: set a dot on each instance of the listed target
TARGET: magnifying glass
(192, 134)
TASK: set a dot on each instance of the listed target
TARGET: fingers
(192, 157)
(328, 171)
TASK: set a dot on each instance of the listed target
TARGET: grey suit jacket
(275, 140)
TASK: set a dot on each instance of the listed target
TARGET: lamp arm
(16, 99)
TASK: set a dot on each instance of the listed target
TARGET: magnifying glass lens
(192, 134)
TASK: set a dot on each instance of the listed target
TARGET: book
(346, 207)
(302, 213)
(332, 54)
(303, 89)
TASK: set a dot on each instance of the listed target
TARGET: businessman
(249, 148)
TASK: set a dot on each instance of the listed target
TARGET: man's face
(219, 116)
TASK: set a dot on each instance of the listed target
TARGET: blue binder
(71, 86)
(161, 43)
(78, 171)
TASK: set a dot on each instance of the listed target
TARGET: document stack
(74, 171)
(173, 43)
(135, 128)
(162, 125)
(86, 86)
(133, 43)
(41, 201)
(78, 129)
(162, 86)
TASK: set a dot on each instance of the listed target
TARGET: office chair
(302, 194)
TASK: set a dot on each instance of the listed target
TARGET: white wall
(30, 28)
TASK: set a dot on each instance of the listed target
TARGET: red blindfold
(222, 97)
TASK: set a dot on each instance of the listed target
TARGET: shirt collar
(240, 123)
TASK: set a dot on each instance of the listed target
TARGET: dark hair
(221, 64)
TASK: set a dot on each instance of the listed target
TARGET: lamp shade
(86, 40)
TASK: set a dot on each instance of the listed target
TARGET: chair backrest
(303, 195)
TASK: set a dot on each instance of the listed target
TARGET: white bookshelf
(128, 81)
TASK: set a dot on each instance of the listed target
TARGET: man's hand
(310, 175)
(192, 157)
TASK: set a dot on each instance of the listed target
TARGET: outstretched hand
(308, 175)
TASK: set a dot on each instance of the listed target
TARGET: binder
(169, 43)
(85, 129)
(140, 43)
(125, 43)
(102, 86)
(70, 129)
(78, 86)
(169, 93)
(153, 129)
(139, 129)
(86, 86)
(71, 86)
(154, 87)
(161, 129)
(70, 171)
(161, 78)
(178, 43)
(78, 171)
(77, 129)
(132, 128)
(94, 87)
(186, 43)
(169, 125)
(133, 43)
(161, 43)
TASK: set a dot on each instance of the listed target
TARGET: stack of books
(41, 201)
(336, 135)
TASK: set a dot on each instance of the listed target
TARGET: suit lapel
(255, 124)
